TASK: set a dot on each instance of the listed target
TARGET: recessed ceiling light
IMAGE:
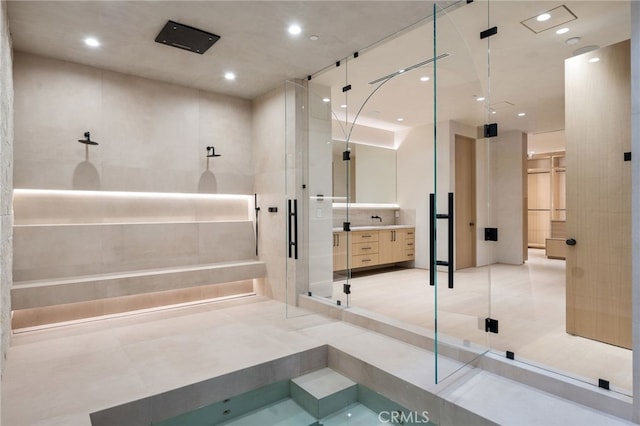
(494, 112)
(314, 38)
(543, 17)
(480, 98)
(573, 40)
(592, 60)
(229, 76)
(90, 41)
(400, 119)
(562, 30)
(425, 78)
(326, 100)
(343, 106)
(295, 29)
(521, 114)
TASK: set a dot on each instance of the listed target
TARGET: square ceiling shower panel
(556, 16)
(186, 37)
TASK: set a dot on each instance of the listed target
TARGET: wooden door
(465, 202)
(598, 190)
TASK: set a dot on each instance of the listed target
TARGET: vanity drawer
(364, 248)
(364, 260)
(364, 236)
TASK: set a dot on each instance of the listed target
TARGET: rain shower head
(87, 139)
(211, 152)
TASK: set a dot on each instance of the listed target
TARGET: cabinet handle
(366, 260)
(366, 248)
(365, 236)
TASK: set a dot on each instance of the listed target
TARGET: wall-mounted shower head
(211, 152)
(87, 139)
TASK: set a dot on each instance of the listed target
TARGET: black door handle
(571, 242)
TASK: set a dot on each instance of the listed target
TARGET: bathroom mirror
(372, 174)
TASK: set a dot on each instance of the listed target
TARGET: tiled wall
(635, 209)
(55, 251)
(152, 141)
(6, 177)
(269, 170)
(53, 207)
(363, 217)
(152, 135)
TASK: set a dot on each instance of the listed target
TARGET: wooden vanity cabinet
(339, 251)
(373, 247)
(396, 245)
(364, 248)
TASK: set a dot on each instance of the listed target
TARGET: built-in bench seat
(57, 291)
(84, 254)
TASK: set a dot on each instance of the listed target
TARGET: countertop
(374, 227)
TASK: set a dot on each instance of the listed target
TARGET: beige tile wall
(6, 178)
(45, 252)
(268, 166)
(152, 138)
(152, 135)
(75, 207)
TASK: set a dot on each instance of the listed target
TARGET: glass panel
(295, 168)
(462, 173)
(508, 237)
(383, 99)
(314, 250)
(558, 157)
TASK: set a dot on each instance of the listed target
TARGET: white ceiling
(254, 42)
(526, 68)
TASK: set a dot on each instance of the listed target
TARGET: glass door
(308, 194)
(560, 283)
(460, 208)
(472, 102)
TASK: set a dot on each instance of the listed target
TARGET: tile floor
(58, 376)
(528, 301)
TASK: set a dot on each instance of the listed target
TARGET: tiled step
(40, 293)
(355, 415)
(282, 413)
(323, 392)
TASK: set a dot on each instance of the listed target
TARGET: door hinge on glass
(488, 32)
(491, 325)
